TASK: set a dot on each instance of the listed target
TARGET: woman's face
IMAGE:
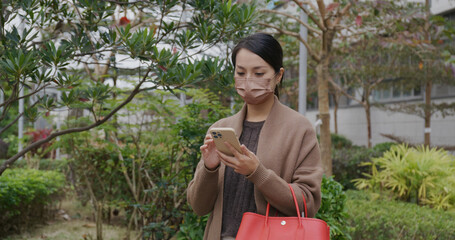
(249, 65)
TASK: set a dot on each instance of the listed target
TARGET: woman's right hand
(209, 155)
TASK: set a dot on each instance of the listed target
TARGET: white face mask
(253, 90)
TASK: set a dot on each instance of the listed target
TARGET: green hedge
(27, 195)
(388, 219)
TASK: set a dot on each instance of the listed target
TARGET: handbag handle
(296, 207)
(304, 205)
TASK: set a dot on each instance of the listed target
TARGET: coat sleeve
(203, 190)
(306, 180)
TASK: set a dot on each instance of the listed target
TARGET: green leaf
(31, 114)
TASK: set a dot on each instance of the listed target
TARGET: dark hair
(266, 47)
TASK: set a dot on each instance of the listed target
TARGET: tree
(421, 39)
(332, 25)
(45, 43)
(325, 22)
(361, 68)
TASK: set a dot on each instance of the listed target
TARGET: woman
(279, 146)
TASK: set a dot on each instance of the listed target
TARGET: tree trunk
(322, 70)
(427, 109)
(336, 101)
(99, 221)
(368, 115)
(429, 82)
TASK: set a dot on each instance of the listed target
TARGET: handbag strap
(296, 207)
(304, 204)
(296, 204)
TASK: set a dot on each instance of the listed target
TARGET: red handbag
(255, 226)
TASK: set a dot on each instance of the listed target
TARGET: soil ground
(74, 222)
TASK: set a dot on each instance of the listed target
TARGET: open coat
(288, 152)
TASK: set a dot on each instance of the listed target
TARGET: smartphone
(221, 135)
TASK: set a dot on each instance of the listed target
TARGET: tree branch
(15, 120)
(10, 99)
(25, 96)
(125, 173)
(341, 14)
(135, 91)
(337, 87)
(315, 20)
(87, 69)
(296, 35)
(81, 54)
(317, 31)
(376, 82)
(321, 8)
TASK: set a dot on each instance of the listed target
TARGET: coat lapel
(268, 134)
(238, 119)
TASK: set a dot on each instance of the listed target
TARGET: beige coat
(288, 153)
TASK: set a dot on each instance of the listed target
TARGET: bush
(420, 175)
(333, 208)
(383, 147)
(26, 195)
(59, 165)
(192, 227)
(346, 162)
(339, 141)
(383, 219)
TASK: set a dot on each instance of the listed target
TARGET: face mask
(253, 90)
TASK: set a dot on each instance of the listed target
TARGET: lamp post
(20, 128)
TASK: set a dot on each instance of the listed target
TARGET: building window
(396, 92)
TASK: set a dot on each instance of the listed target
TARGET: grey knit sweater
(238, 194)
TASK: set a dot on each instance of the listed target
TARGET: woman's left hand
(244, 162)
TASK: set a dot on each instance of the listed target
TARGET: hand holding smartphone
(221, 135)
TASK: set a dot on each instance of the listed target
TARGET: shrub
(383, 147)
(144, 166)
(384, 219)
(420, 175)
(332, 208)
(347, 162)
(44, 150)
(25, 195)
(339, 141)
(192, 227)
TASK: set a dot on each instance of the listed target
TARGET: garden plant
(421, 175)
